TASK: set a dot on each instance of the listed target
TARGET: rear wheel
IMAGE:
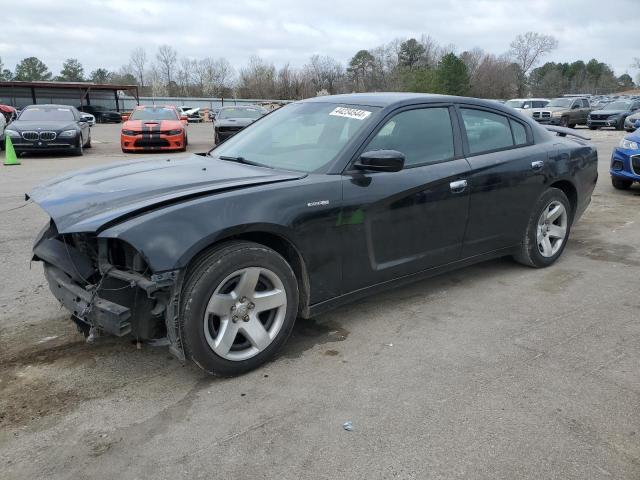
(547, 231)
(621, 183)
(239, 304)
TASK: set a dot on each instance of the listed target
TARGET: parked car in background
(50, 127)
(230, 120)
(613, 115)
(319, 203)
(525, 105)
(630, 122)
(153, 128)
(192, 113)
(90, 118)
(101, 114)
(8, 112)
(625, 162)
(565, 111)
(213, 112)
(3, 124)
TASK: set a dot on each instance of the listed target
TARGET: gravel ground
(495, 371)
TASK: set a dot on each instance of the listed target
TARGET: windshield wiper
(242, 160)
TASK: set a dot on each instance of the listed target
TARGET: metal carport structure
(20, 94)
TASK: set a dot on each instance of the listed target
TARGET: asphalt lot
(496, 371)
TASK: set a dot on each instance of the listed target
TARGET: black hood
(234, 122)
(86, 200)
(27, 125)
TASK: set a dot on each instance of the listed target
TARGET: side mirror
(381, 161)
(184, 117)
(83, 120)
(125, 118)
(575, 107)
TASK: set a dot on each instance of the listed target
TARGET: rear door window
(486, 131)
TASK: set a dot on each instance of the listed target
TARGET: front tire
(239, 305)
(79, 150)
(621, 183)
(564, 122)
(547, 230)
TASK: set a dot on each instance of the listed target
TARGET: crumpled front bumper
(86, 306)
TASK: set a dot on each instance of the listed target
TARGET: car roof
(254, 107)
(142, 107)
(48, 105)
(388, 99)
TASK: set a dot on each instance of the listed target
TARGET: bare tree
(257, 79)
(472, 59)
(528, 49)
(325, 73)
(139, 63)
(166, 58)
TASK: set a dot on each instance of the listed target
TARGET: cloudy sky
(102, 33)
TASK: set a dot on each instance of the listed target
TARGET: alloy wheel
(245, 313)
(552, 229)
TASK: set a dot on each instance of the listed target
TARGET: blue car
(625, 161)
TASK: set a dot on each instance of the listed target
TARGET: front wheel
(621, 183)
(79, 150)
(547, 231)
(239, 304)
(564, 122)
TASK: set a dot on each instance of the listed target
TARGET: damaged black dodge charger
(319, 203)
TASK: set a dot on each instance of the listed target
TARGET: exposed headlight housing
(556, 114)
(68, 133)
(12, 133)
(628, 144)
(613, 117)
(177, 131)
(129, 133)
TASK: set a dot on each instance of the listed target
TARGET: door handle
(537, 165)
(458, 186)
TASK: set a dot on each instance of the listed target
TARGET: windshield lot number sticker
(350, 113)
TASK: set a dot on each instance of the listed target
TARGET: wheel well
(288, 251)
(570, 191)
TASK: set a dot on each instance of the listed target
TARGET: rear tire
(247, 282)
(620, 183)
(546, 234)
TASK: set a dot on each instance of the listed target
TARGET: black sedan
(319, 203)
(102, 114)
(50, 127)
(613, 115)
(230, 120)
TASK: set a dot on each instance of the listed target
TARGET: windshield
(47, 114)
(514, 103)
(299, 136)
(560, 102)
(231, 112)
(619, 106)
(157, 113)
